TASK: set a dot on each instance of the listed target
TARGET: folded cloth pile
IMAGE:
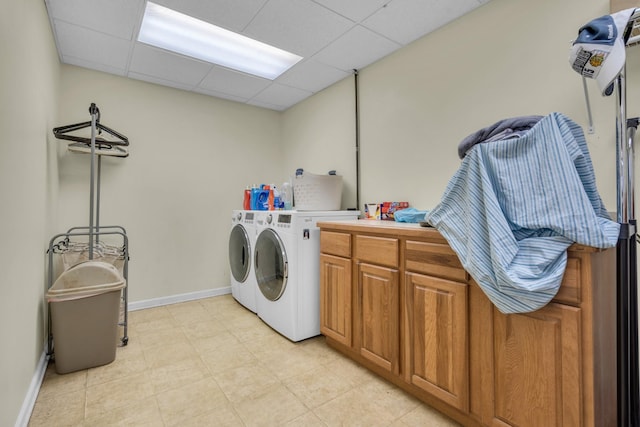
(509, 128)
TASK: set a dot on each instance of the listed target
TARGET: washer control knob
(269, 218)
(239, 216)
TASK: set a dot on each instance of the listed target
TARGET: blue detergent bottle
(262, 202)
(255, 193)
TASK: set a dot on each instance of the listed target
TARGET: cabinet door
(436, 342)
(537, 368)
(335, 298)
(379, 316)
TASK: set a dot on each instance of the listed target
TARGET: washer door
(239, 253)
(271, 265)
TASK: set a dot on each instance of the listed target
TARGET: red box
(387, 209)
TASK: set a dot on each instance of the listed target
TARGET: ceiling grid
(334, 37)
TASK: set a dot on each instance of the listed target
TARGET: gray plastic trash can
(85, 306)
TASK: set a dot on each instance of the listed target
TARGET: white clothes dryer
(242, 240)
(287, 269)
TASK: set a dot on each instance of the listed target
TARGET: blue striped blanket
(514, 207)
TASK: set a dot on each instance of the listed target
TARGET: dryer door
(271, 265)
(239, 253)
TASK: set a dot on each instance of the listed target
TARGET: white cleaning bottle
(286, 195)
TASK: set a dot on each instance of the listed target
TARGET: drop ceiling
(334, 37)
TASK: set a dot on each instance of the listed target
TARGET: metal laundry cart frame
(63, 239)
(627, 292)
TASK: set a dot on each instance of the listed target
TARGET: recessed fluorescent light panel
(174, 31)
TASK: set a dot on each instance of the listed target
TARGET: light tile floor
(211, 362)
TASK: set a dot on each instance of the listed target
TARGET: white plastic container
(286, 195)
(317, 192)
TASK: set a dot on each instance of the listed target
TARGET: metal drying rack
(62, 243)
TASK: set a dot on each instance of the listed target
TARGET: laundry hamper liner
(105, 253)
(71, 258)
(84, 303)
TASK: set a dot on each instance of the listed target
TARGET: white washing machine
(287, 270)
(241, 246)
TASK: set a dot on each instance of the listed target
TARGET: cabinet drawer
(333, 243)
(377, 250)
(570, 289)
(434, 259)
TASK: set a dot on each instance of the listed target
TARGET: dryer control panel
(284, 219)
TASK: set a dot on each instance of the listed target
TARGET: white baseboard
(174, 299)
(38, 376)
(32, 392)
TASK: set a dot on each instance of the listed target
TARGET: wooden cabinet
(536, 364)
(436, 339)
(554, 366)
(378, 337)
(359, 296)
(335, 298)
(335, 287)
(436, 344)
(377, 315)
(395, 298)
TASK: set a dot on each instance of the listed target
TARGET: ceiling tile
(167, 66)
(233, 15)
(312, 76)
(356, 10)
(233, 83)
(220, 95)
(93, 66)
(356, 49)
(281, 95)
(118, 18)
(92, 46)
(418, 17)
(268, 105)
(301, 26)
(158, 81)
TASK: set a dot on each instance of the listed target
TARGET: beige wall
(190, 158)
(505, 59)
(319, 136)
(29, 74)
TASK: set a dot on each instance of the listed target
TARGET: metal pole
(357, 109)
(98, 198)
(627, 304)
(634, 372)
(586, 98)
(632, 127)
(93, 110)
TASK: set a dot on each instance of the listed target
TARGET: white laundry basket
(313, 192)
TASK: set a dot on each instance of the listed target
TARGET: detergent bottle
(246, 203)
(277, 203)
(255, 194)
(270, 199)
(262, 203)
